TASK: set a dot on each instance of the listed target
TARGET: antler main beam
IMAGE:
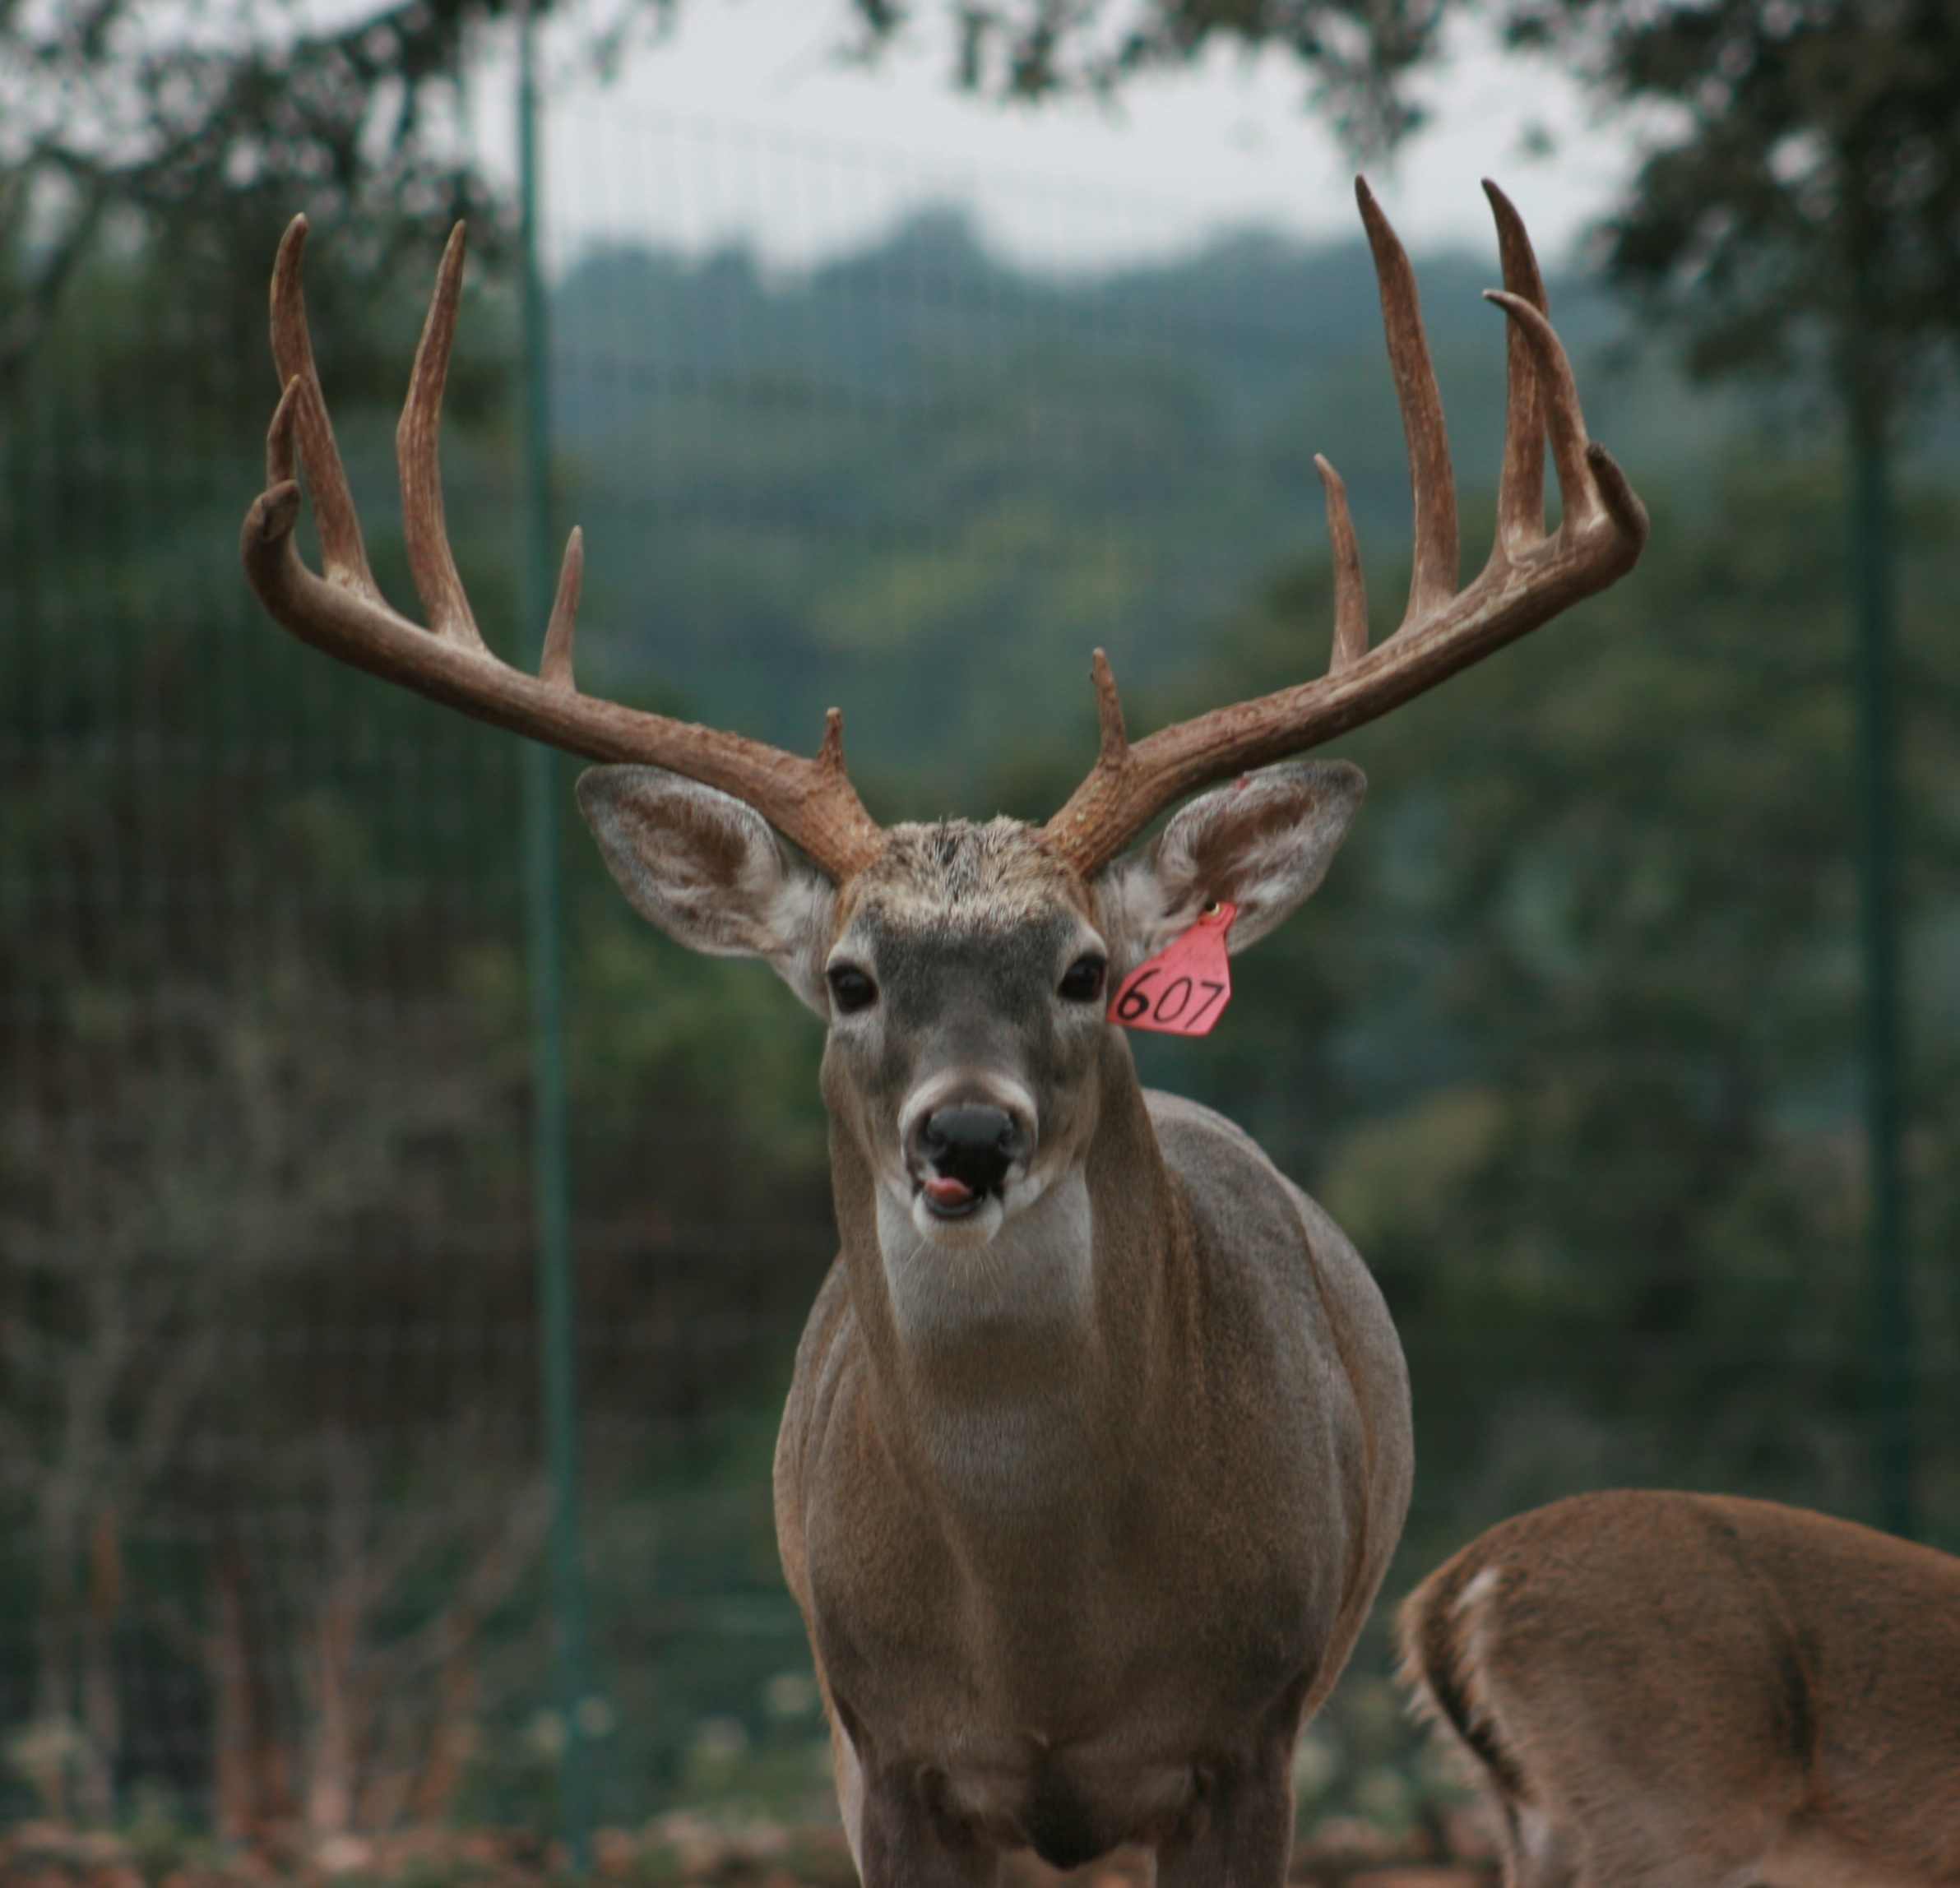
(810, 802)
(1531, 577)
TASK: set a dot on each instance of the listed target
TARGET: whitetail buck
(1098, 1440)
(1673, 1690)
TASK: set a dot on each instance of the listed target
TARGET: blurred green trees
(1565, 1041)
(267, 1452)
(1571, 1034)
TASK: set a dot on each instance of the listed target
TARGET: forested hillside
(1567, 1040)
(923, 486)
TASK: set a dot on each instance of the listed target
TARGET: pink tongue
(945, 1192)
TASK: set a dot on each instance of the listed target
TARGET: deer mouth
(963, 1153)
(948, 1198)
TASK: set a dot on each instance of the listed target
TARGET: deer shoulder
(1662, 1688)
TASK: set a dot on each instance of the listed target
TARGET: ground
(1448, 1850)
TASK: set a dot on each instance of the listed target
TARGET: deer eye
(850, 989)
(1081, 982)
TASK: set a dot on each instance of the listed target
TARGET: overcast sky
(744, 126)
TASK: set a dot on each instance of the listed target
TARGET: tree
(202, 129)
(1359, 52)
(1568, 1041)
(1804, 218)
(1798, 213)
(1806, 212)
(166, 1156)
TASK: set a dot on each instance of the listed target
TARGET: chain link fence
(269, 1458)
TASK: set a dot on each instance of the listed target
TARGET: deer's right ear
(711, 872)
(1263, 843)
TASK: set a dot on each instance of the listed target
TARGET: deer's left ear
(1262, 844)
(709, 870)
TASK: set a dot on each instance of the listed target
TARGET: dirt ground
(680, 1851)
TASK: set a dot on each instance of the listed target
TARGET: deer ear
(711, 872)
(1262, 844)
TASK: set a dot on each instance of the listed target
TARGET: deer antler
(810, 802)
(1529, 579)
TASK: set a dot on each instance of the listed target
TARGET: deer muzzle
(966, 1147)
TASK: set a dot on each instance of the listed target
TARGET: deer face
(965, 980)
(965, 971)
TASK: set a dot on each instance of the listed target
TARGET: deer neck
(1018, 1366)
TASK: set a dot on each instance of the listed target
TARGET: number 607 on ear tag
(1184, 989)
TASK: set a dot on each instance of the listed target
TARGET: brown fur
(993, 877)
(1085, 1487)
(1668, 1689)
(1069, 1586)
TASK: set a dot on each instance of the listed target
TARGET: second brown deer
(1098, 1440)
(1660, 1690)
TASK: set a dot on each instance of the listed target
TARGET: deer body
(1668, 1689)
(1125, 1537)
(1089, 1473)
(1099, 1439)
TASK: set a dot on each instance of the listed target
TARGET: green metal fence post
(1871, 555)
(555, 1308)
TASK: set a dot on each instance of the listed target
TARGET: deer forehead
(958, 879)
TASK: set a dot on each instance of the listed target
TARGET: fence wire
(270, 1459)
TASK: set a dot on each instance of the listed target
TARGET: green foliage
(1568, 1043)
(264, 1066)
(126, 124)
(1797, 212)
(1565, 1041)
(1360, 54)
(923, 487)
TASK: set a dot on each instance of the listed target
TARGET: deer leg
(1622, 1847)
(1538, 1853)
(1239, 1835)
(1636, 1856)
(906, 1839)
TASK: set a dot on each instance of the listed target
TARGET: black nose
(972, 1144)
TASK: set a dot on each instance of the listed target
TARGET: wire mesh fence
(1568, 1047)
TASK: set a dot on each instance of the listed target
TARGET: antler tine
(1114, 740)
(417, 438)
(810, 802)
(1558, 396)
(1521, 483)
(341, 551)
(1529, 579)
(1350, 587)
(555, 670)
(1432, 484)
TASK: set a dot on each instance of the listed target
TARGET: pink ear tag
(1184, 989)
